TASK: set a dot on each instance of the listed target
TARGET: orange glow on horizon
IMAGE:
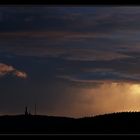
(111, 97)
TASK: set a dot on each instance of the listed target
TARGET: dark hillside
(125, 123)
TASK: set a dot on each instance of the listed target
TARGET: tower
(26, 111)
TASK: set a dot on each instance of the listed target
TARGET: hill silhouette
(116, 123)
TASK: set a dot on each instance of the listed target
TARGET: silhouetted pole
(35, 109)
(26, 111)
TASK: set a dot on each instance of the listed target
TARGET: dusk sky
(70, 61)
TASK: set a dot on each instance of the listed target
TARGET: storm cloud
(76, 60)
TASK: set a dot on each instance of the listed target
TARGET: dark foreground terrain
(116, 123)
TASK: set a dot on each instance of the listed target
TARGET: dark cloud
(92, 19)
(103, 77)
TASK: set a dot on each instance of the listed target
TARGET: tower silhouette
(26, 111)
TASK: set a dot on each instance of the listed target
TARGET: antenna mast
(35, 109)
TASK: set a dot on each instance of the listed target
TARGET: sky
(70, 61)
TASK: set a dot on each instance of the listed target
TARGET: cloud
(93, 55)
(56, 35)
(20, 74)
(100, 76)
(72, 52)
(70, 18)
(7, 69)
